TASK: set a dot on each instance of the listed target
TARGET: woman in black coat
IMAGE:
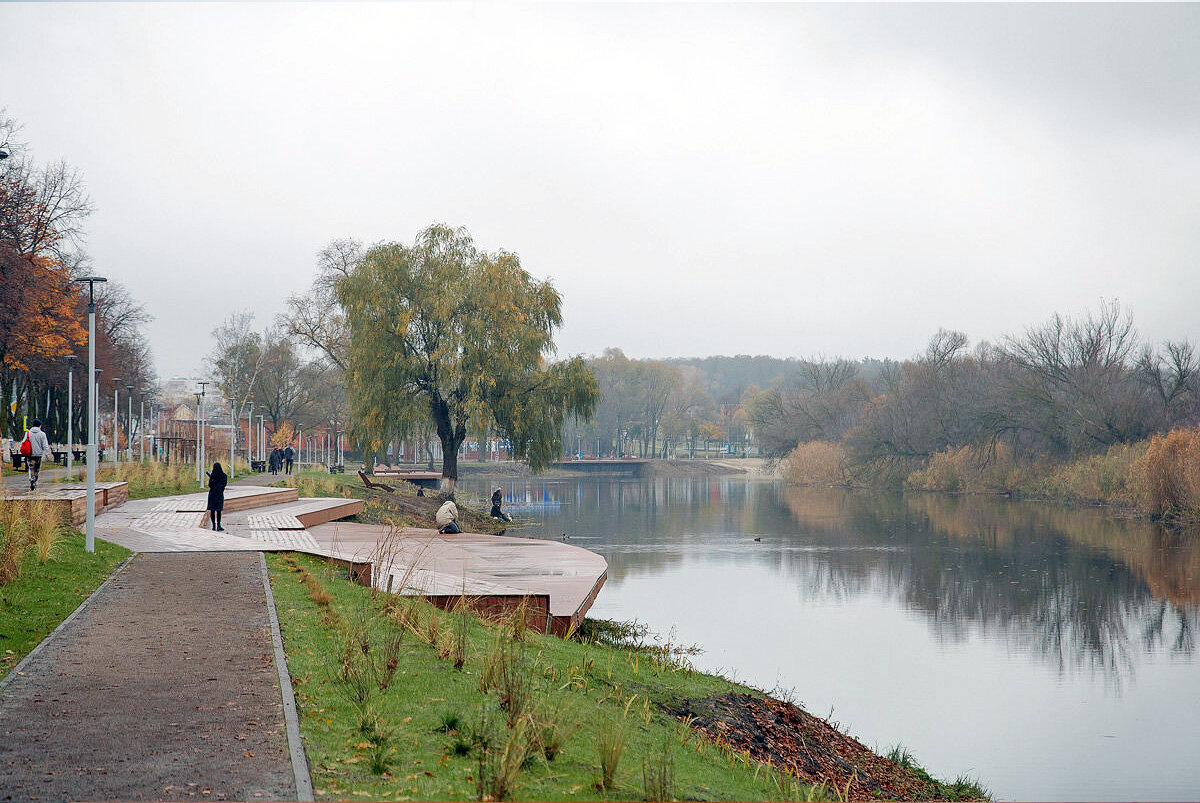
(217, 480)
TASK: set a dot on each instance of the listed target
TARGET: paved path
(50, 471)
(164, 687)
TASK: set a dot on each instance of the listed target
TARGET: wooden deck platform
(305, 513)
(557, 581)
(237, 497)
(425, 479)
(72, 497)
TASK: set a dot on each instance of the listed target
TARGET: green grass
(434, 733)
(46, 593)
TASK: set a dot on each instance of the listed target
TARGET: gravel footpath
(163, 688)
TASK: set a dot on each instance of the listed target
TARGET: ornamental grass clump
(610, 744)
(14, 540)
(46, 528)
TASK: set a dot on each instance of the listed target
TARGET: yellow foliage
(1169, 474)
(283, 436)
(971, 470)
(816, 463)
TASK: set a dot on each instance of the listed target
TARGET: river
(1047, 651)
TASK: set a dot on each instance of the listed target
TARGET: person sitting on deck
(497, 513)
(447, 517)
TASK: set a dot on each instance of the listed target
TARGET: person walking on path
(289, 455)
(39, 447)
(447, 517)
(217, 480)
(275, 461)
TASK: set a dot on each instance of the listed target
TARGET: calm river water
(1049, 652)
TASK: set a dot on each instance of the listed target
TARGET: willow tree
(446, 334)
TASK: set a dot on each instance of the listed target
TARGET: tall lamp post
(116, 444)
(70, 410)
(129, 418)
(90, 538)
(198, 463)
(232, 433)
(203, 443)
(250, 436)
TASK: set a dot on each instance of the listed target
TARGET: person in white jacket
(447, 517)
(39, 446)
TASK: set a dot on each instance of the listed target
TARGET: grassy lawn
(433, 734)
(401, 701)
(46, 593)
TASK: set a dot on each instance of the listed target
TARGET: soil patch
(793, 740)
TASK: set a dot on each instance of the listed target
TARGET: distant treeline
(1065, 391)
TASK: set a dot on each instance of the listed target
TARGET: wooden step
(239, 498)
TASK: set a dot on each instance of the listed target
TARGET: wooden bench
(378, 486)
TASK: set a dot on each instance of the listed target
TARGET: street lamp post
(116, 444)
(70, 411)
(250, 435)
(129, 418)
(262, 433)
(142, 429)
(199, 476)
(203, 439)
(90, 537)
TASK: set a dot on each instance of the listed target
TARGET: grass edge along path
(46, 593)
(401, 701)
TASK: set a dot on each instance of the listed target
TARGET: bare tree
(315, 319)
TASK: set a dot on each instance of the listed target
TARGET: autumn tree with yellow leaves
(42, 312)
(443, 333)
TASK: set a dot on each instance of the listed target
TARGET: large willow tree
(443, 333)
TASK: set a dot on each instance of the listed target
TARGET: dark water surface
(1049, 652)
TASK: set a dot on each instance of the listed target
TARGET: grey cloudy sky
(695, 179)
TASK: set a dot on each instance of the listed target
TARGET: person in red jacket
(39, 447)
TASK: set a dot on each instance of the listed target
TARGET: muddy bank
(812, 749)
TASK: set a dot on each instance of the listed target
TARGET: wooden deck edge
(501, 606)
(351, 507)
(563, 626)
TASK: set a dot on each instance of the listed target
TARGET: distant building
(183, 390)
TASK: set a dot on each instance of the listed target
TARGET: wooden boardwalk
(72, 497)
(555, 582)
(494, 572)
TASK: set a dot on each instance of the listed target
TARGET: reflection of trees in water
(1077, 587)
(1072, 586)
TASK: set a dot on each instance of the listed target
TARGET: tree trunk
(451, 434)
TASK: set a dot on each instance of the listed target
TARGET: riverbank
(608, 716)
(698, 467)
(398, 697)
(1157, 478)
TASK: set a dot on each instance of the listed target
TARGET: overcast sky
(695, 179)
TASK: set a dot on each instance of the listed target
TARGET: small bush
(1169, 474)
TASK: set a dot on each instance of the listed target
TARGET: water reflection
(1080, 589)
